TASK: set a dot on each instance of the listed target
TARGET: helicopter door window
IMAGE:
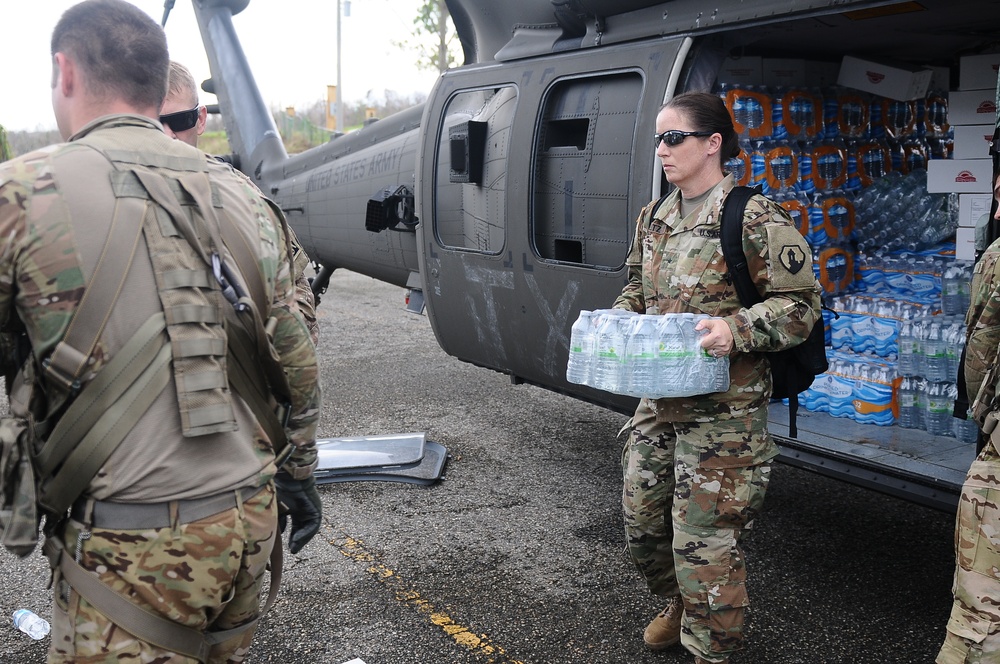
(582, 168)
(470, 187)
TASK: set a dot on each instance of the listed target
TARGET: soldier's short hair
(121, 51)
(182, 84)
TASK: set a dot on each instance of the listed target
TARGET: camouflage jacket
(676, 266)
(42, 280)
(983, 332)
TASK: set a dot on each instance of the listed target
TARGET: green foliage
(436, 42)
(5, 151)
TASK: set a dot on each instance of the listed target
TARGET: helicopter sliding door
(531, 177)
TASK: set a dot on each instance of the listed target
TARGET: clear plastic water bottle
(641, 357)
(920, 386)
(921, 330)
(956, 342)
(582, 342)
(31, 624)
(951, 291)
(937, 412)
(909, 416)
(935, 355)
(670, 356)
(965, 430)
(610, 342)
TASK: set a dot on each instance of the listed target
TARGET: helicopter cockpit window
(581, 169)
(471, 170)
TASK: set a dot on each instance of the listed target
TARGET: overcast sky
(291, 46)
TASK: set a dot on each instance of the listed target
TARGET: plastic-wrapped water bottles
(648, 356)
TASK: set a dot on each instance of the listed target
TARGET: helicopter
(506, 203)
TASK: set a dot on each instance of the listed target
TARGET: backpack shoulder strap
(731, 235)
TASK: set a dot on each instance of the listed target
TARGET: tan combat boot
(665, 629)
(699, 660)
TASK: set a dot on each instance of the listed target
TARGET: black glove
(299, 499)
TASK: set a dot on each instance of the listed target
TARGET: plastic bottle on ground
(31, 624)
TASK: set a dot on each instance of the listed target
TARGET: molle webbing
(192, 303)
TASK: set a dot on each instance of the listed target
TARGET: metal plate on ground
(367, 452)
(425, 472)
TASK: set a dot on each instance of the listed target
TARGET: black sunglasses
(181, 120)
(673, 137)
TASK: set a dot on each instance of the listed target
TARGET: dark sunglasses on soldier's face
(672, 138)
(181, 120)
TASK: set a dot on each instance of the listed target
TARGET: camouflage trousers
(973, 634)
(206, 575)
(685, 510)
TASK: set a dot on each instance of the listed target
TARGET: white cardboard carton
(972, 107)
(972, 141)
(901, 82)
(978, 72)
(784, 72)
(965, 244)
(972, 208)
(963, 176)
(745, 70)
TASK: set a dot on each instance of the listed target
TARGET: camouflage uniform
(304, 296)
(704, 461)
(974, 626)
(205, 573)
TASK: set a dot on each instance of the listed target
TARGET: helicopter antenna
(167, 6)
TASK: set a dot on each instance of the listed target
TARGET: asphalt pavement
(517, 555)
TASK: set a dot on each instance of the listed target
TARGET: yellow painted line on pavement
(477, 644)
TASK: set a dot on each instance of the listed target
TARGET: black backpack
(793, 369)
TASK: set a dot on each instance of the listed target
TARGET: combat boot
(699, 660)
(665, 629)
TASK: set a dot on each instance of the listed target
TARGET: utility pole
(340, 88)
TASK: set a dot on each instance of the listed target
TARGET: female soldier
(696, 468)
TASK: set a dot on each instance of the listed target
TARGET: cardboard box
(972, 141)
(972, 107)
(963, 176)
(978, 72)
(784, 72)
(901, 82)
(821, 74)
(745, 70)
(940, 79)
(965, 244)
(973, 208)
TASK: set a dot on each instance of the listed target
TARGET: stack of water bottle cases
(850, 169)
(643, 356)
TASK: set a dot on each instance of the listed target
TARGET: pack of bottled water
(859, 387)
(640, 355)
(896, 212)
